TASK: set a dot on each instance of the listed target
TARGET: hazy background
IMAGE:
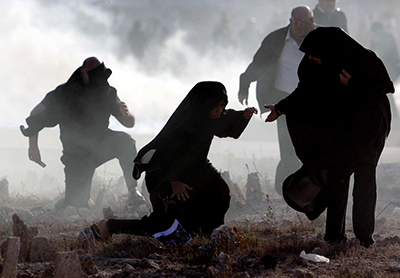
(154, 66)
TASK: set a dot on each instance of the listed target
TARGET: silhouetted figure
(181, 181)
(82, 107)
(274, 67)
(327, 14)
(339, 118)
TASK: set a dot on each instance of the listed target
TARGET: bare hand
(243, 98)
(248, 112)
(34, 155)
(273, 116)
(345, 77)
(123, 108)
(179, 190)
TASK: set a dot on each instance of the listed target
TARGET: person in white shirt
(274, 67)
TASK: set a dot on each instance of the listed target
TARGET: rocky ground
(262, 237)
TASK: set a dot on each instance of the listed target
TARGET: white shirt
(286, 76)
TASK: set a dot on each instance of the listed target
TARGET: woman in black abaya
(339, 118)
(181, 181)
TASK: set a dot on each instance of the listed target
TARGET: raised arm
(126, 118)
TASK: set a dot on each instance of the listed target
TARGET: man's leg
(289, 162)
(338, 191)
(364, 202)
(121, 145)
(79, 170)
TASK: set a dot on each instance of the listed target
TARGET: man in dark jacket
(274, 67)
(327, 14)
(82, 107)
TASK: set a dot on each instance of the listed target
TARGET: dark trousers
(80, 164)
(364, 202)
(202, 212)
(371, 131)
(289, 162)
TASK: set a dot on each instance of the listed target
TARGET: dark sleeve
(293, 101)
(115, 108)
(375, 80)
(256, 66)
(231, 124)
(52, 97)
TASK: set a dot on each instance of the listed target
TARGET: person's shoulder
(112, 90)
(339, 12)
(276, 34)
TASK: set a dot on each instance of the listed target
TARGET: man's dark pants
(80, 164)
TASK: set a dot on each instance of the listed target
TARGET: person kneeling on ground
(182, 183)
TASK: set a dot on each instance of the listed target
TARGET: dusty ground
(269, 239)
(269, 235)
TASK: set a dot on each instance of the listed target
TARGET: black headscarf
(339, 51)
(193, 111)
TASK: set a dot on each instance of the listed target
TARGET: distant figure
(384, 44)
(339, 118)
(327, 14)
(274, 67)
(82, 107)
(137, 41)
(182, 183)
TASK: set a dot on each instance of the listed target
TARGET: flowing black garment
(338, 129)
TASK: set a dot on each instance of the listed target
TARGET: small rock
(108, 213)
(223, 239)
(88, 265)
(41, 250)
(86, 238)
(10, 253)
(67, 264)
(158, 257)
(146, 263)
(25, 234)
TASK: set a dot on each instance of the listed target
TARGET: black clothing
(341, 128)
(83, 112)
(337, 18)
(263, 69)
(180, 154)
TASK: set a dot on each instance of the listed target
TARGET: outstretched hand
(243, 99)
(273, 116)
(248, 112)
(179, 189)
